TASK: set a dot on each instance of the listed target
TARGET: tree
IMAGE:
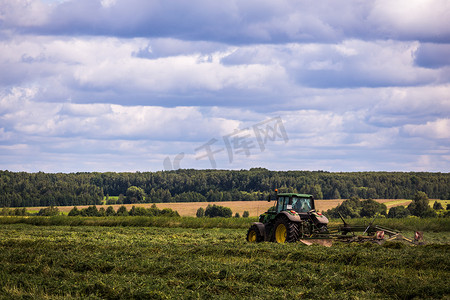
(350, 208)
(236, 215)
(218, 211)
(420, 206)
(122, 211)
(245, 214)
(91, 211)
(336, 194)
(20, 211)
(214, 196)
(200, 212)
(369, 208)
(398, 212)
(168, 212)
(101, 212)
(437, 206)
(49, 211)
(21, 189)
(135, 194)
(316, 191)
(111, 201)
(74, 212)
(110, 211)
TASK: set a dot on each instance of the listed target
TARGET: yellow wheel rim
(252, 236)
(280, 233)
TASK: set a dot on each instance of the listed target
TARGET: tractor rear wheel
(253, 235)
(286, 231)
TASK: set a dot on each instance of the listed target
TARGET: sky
(150, 85)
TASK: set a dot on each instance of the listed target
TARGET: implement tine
(370, 224)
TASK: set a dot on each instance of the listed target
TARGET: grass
(399, 202)
(405, 202)
(135, 221)
(74, 262)
(406, 224)
(444, 203)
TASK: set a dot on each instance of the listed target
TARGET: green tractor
(292, 218)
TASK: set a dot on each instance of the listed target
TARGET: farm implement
(295, 219)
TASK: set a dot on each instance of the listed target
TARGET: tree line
(93, 211)
(22, 189)
(419, 207)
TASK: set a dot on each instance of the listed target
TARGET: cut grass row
(406, 224)
(55, 262)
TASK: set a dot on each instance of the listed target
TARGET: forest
(22, 189)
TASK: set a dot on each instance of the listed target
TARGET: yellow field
(443, 202)
(397, 202)
(255, 208)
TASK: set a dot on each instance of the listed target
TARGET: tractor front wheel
(253, 235)
(286, 231)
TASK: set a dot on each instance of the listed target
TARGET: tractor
(292, 218)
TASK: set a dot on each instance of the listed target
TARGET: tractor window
(301, 204)
(282, 202)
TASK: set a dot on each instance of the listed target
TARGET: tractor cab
(300, 203)
(300, 206)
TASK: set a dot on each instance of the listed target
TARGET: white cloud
(23, 12)
(106, 121)
(110, 70)
(412, 19)
(411, 105)
(109, 65)
(108, 3)
(438, 129)
(107, 84)
(235, 22)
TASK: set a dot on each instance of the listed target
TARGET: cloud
(236, 22)
(23, 13)
(351, 63)
(433, 55)
(438, 129)
(100, 136)
(358, 64)
(167, 72)
(98, 121)
(423, 20)
(396, 106)
(122, 85)
(109, 69)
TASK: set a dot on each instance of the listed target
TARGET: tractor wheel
(253, 235)
(286, 231)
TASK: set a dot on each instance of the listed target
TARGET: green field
(136, 262)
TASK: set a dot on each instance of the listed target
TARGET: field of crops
(175, 260)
